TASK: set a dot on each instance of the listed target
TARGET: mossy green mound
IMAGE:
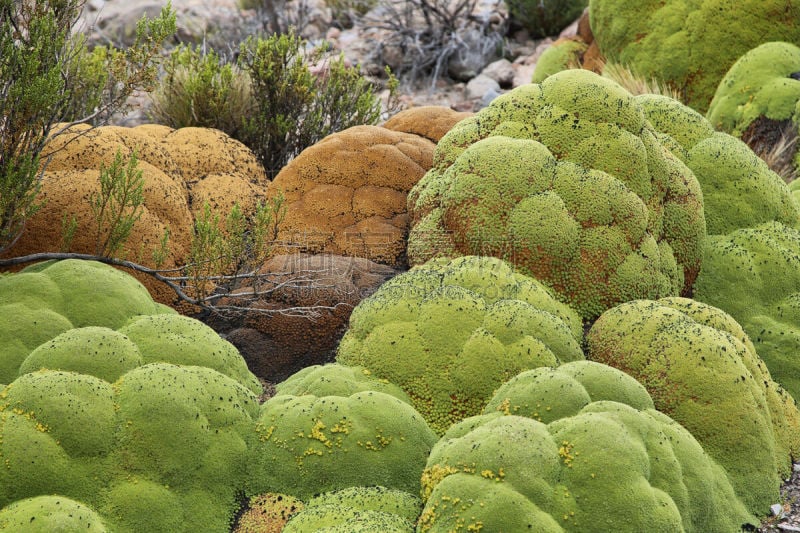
(46, 323)
(689, 44)
(739, 189)
(450, 333)
(50, 514)
(759, 84)
(568, 181)
(599, 465)
(308, 445)
(164, 448)
(181, 340)
(754, 275)
(560, 56)
(337, 380)
(358, 509)
(92, 350)
(701, 369)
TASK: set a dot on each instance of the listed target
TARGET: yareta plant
(701, 369)
(568, 181)
(577, 448)
(754, 275)
(762, 83)
(147, 417)
(689, 44)
(45, 514)
(358, 510)
(450, 332)
(739, 189)
(311, 444)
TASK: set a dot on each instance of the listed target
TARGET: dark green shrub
(46, 75)
(296, 107)
(545, 17)
(201, 89)
(280, 98)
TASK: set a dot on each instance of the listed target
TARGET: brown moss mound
(346, 195)
(182, 170)
(429, 121)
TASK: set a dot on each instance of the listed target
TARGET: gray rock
(776, 509)
(475, 50)
(501, 71)
(480, 85)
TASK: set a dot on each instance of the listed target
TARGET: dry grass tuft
(636, 84)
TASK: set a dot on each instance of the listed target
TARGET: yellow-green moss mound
(594, 465)
(702, 370)
(450, 333)
(568, 181)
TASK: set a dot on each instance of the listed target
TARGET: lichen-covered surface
(358, 510)
(739, 189)
(568, 181)
(701, 369)
(690, 44)
(754, 275)
(590, 464)
(347, 193)
(182, 170)
(450, 332)
(312, 444)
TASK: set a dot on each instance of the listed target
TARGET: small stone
(480, 85)
(776, 509)
(788, 527)
(796, 467)
(501, 71)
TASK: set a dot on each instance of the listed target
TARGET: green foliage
(450, 333)
(739, 189)
(295, 108)
(270, 100)
(200, 89)
(701, 369)
(546, 17)
(308, 444)
(760, 83)
(223, 250)
(92, 350)
(118, 204)
(569, 182)
(358, 509)
(345, 12)
(48, 76)
(690, 44)
(46, 514)
(181, 340)
(598, 464)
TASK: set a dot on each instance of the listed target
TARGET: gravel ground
(788, 518)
